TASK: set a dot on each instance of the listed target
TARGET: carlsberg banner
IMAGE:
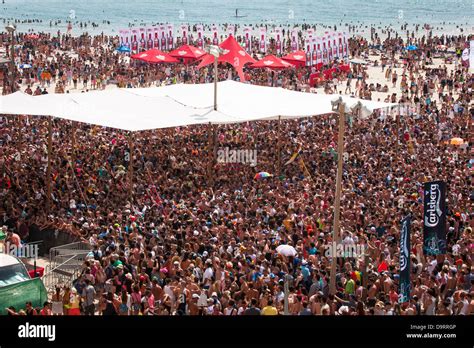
(404, 292)
(434, 218)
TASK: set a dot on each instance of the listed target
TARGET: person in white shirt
(432, 266)
(465, 304)
(209, 272)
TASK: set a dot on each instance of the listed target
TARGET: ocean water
(442, 14)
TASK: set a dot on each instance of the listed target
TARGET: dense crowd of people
(200, 237)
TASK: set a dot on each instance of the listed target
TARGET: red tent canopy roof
(187, 51)
(272, 62)
(297, 56)
(154, 56)
(233, 54)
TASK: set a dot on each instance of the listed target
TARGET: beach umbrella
(297, 58)
(25, 66)
(456, 141)
(465, 58)
(32, 36)
(286, 250)
(273, 63)
(124, 49)
(411, 48)
(187, 52)
(262, 175)
(154, 56)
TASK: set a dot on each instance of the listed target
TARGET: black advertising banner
(103, 331)
(434, 218)
(404, 291)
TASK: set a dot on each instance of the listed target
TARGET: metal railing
(58, 254)
(57, 276)
(70, 248)
(65, 264)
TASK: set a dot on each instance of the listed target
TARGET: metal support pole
(13, 83)
(73, 145)
(365, 276)
(130, 168)
(48, 170)
(210, 153)
(397, 144)
(286, 293)
(279, 146)
(215, 82)
(337, 203)
(214, 143)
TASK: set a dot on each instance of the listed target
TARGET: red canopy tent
(316, 78)
(327, 74)
(154, 56)
(32, 36)
(233, 54)
(188, 53)
(297, 58)
(272, 62)
(345, 68)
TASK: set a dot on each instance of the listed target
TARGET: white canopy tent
(178, 105)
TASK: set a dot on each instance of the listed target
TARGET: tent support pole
(73, 144)
(130, 168)
(20, 135)
(286, 294)
(279, 145)
(210, 153)
(365, 281)
(48, 170)
(215, 83)
(337, 202)
(398, 127)
(214, 142)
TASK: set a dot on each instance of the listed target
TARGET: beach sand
(375, 75)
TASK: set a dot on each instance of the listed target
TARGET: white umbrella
(286, 250)
(358, 61)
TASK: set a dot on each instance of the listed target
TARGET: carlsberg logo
(404, 253)
(433, 211)
(37, 331)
